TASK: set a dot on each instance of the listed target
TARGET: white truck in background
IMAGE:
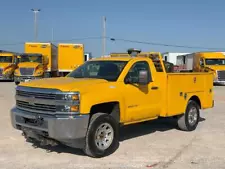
(87, 56)
(171, 57)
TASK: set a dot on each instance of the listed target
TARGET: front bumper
(3, 77)
(26, 78)
(219, 82)
(69, 131)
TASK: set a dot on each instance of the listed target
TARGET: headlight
(72, 102)
(8, 72)
(67, 108)
(71, 97)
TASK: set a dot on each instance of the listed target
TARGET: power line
(124, 40)
(163, 44)
(62, 40)
(87, 38)
(9, 44)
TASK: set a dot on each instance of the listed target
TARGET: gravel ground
(156, 144)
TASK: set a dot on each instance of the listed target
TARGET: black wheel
(189, 120)
(17, 83)
(102, 135)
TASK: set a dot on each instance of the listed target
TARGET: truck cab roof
(217, 55)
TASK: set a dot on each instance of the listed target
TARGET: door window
(136, 68)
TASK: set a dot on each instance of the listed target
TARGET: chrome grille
(26, 71)
(1, 70)
(38, 107)
(36, 95)
(221, 75)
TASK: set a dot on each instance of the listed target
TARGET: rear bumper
(69, 131)
(26, 78)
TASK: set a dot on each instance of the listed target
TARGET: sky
(191, 23)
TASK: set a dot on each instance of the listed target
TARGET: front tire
(102, 136)
(190, 119)
(16, 83)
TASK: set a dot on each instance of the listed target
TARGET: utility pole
(52, 35)
(35, 23)
(104, 36)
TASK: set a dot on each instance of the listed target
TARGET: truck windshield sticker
(77, 46)
(43, 46)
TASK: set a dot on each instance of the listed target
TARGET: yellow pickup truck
(86, 108)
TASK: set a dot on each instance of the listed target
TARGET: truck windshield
(31, 58)
(5, 59)
(108, 70)
(215, 61)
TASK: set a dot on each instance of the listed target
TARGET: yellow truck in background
(38, 61)
(8, 64)
(86, 108)
(70, 56)
(204, 62)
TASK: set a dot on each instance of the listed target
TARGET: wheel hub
(192, 116)
(104, 136)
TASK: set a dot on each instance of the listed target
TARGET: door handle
(154, 88)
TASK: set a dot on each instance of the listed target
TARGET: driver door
(142, 101)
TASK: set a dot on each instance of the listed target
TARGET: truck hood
(5, 65)
(64, 83)
(29, 64)
(216, 67)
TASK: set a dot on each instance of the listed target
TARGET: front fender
(98, 97)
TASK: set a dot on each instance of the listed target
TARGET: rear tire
(102, 136)
(189, 120)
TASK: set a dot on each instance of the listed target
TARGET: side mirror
(16, 61)
(201, 63)
(132, 78)
(143, 77)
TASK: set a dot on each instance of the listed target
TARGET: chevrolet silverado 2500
(85, 108)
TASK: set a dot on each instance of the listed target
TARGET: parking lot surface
(156, 144)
